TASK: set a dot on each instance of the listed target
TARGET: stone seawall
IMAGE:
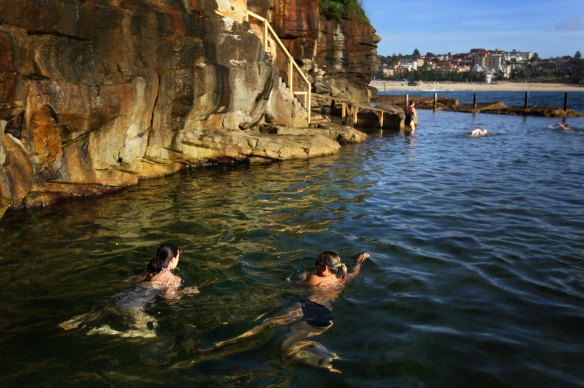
(495, 107)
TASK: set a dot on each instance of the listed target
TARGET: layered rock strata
(340, 56)
(98, 94)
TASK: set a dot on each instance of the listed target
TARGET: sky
(550, 28)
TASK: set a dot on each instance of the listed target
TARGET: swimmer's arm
(357, 268)
(174, 292)
(302, 279)
(190, 290)
(171, 293)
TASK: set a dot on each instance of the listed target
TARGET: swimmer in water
(157, 280)
(562, 125)
(478, 132)
(311, 317)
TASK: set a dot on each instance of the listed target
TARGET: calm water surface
(476, 276)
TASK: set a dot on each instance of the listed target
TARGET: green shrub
(342, 9)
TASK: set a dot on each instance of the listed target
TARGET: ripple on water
(476, 270)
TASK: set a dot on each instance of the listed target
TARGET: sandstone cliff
(340, 55)
(96, 94)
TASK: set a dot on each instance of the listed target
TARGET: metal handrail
(292, 65)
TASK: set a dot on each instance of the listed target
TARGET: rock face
(102, 93)
(347, 53)
(341, 56)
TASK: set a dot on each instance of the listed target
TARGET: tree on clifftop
(416, 53)
(342, 9)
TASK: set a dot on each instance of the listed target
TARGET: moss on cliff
(342, 9)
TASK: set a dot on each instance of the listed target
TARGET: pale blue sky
(548, 27)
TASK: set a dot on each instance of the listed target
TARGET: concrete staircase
(299, 86)
(293, 77)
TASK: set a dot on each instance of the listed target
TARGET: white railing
(291, 63)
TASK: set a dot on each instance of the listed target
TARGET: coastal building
(409, 64)
(517, 56)
(495, 61)
(500, 64)
(477, 68)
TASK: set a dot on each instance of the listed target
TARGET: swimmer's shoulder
(312, 280)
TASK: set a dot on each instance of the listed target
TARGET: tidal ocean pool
(476, 276)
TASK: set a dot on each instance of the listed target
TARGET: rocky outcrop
(347, 58)
(340, 56)
(98, 94)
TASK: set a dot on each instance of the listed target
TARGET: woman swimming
(309, 318)
(562, 125)
(157, 281)
(478, 132)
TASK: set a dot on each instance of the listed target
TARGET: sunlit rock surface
(99, 94)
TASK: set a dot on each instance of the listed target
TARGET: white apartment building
(409, 65)
(517, 56)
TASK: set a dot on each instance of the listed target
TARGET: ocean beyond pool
(510, 98)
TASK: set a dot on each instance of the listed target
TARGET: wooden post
(526, 101)
(566, 101)
(309, 104)
(344, 111)
(474, 100)
(435, 101)
(355, 114)
(380, 119)
(406, 102)
(291, 76)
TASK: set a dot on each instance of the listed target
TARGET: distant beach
(461, 86)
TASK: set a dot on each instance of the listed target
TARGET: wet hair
(332, 260)
(412, 102)
(164, 254)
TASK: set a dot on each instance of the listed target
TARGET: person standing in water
(157, 280)
(309, 318)
(411, 118)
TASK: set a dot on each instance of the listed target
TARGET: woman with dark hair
(166, 255)
(158, 280)
(159, 274)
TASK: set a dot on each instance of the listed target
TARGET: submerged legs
(295, 346)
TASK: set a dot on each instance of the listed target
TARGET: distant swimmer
(479, 132)
(562, 125)
(157, 281)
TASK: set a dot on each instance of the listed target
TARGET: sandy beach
(454, 86)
